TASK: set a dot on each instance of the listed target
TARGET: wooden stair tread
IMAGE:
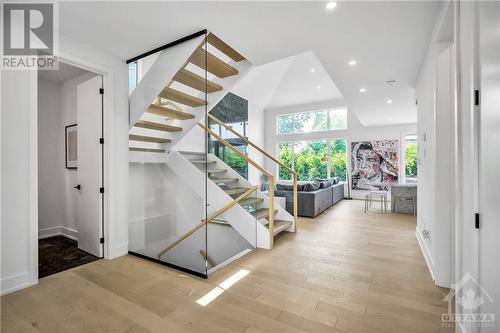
(215, 170)
(236, 190)
(167, 112)
(203, 161)
(224, 48)
(261, 213)
(225, 180)
(251, 201)
(187, 152)
(144, 138)
(146, 150)
(157, 126)
(180, 97)
(214, 65)
(222, 222)
(197, 82)
(280, 225)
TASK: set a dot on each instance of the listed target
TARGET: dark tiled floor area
(58, 253)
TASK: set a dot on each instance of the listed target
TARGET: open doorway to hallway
(70, 168)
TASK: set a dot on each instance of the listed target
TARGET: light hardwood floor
(344, 271)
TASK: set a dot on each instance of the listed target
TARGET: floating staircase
(174, 96)
(180, 103)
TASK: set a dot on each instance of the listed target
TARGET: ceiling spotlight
(331, 5)
(362, 90)
(389, 101)
(313, 70)
(391, 82)
(352, 62)
(318, 87)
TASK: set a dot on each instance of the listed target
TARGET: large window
(411, 156)
(314, 121)
(338, 159)
(132, 76)
(310, 160)
(285, 156)
(314, 159)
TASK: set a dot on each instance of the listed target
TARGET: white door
(89, 173)
(489, 161)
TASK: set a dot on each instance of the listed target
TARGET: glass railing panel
(232, 234)
(168, 189)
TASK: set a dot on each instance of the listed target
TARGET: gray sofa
(312, 203)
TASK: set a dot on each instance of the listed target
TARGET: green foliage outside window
(411, 159)
(314, 121)
(310, 160)
(338, 159)
(285, 156)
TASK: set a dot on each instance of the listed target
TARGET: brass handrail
(269, 175)
(272, 158)
(210, 218)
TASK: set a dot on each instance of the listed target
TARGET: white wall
(434, 92)
(258, 87)
(51, 169)
(19, 266)
(355, 132)
(19, 229)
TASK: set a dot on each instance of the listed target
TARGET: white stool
(382, 196)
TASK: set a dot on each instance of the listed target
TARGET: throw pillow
(310, 187)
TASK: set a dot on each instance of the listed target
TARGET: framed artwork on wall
(71, 146)
(374, 165)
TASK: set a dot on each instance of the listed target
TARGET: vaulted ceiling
(387, 39)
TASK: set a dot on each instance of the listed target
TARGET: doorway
(70, 168)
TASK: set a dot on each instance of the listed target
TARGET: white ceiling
(305, 81)
(64, 73)
(388, 39)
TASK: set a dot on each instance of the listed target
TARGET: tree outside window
(314, 121)
(310, 160)
(314, 159)
(338, 159)
(411, 156)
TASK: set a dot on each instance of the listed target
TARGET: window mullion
(328, 153)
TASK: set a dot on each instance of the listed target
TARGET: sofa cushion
(325, 184)
(309, 187)
(284, 187)
(335, 180)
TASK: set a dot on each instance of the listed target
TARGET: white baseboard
(426, 253)
(58, 231)
(118, 251)
(16, 282)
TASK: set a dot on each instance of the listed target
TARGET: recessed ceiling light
(313, 70)
(318, 87)
(389, 101)
(362, 90)
(390, 119)
(352, 62)
(331, 5)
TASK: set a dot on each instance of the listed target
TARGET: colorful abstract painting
(374, 164)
